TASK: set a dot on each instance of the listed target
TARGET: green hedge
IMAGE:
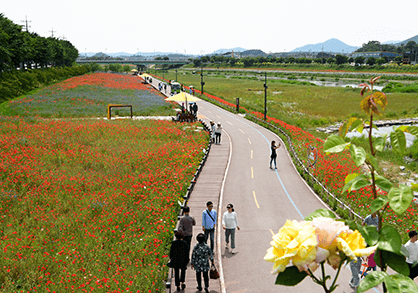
(16, 83)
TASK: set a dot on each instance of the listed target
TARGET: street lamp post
(176, 74)
(265, 96)
(202, 83)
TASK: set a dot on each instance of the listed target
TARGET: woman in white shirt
(229, 223)
(218, 132)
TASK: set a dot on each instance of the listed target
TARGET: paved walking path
(263, 199)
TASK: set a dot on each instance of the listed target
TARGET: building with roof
(390, 56)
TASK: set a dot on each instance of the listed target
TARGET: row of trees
(21, 49)
(374, 46)
(329, 59)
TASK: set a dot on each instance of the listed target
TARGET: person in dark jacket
(179, 256)
(200, 261)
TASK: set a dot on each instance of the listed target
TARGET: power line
(26, 23)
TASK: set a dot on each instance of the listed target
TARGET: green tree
(380, 61)
(70, 52)
(197, 62)
(115, 67)
(331, 60)
(290, 59)
(126, 68)
(359, 60)
(341, 59)
(95, 67)
(411, 45)
(371, 61)
(248, 61)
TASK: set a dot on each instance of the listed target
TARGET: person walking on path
(218, 132)
(355, 266)
(195, 108)
(412, 259)
(372, 220)
(273, 155)
(200, 261)
(179, 258)
(186, 227)
(212, 129)
(208, 224)
(230, 223)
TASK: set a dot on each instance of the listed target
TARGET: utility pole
(53, 32)
(26, 23)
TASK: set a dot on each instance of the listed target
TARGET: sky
(202, 27)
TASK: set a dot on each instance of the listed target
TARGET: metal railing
(299, 162)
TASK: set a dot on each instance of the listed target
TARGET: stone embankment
(379, 123)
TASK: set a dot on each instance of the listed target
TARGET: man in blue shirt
(208, 223)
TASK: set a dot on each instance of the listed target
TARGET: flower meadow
(90, 205)
(88, 96)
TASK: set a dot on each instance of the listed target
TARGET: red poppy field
(90, 205)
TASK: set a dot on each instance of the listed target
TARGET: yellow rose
(353, 245)
(328, 230)
(296, 242)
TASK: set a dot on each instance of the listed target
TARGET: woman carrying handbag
(200, 261)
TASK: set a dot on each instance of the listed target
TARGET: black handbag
(213, 274)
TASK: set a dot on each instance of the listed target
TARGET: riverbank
(379, 123)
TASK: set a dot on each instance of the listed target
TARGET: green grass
(295, 102)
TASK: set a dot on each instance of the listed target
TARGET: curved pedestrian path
(237, 171)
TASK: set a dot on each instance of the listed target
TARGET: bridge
(135, 62)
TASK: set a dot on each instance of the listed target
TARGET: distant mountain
(100, 55)
(415, 39)
(120, 54)
(253, 53)
(223, 51)
(331, 45)
(390, 42)
(152, 54)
